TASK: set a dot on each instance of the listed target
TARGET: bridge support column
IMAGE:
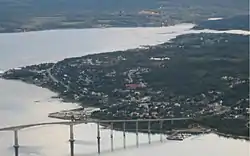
(98, 139)
(149, 132)
(172, 122)
(112, 136)
(161, 130)
(124, 135)
(71, 139)
(136, 133)
(16, 145)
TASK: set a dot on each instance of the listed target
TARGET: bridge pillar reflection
(71, 139)
(16, 145)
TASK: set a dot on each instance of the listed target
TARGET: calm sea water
(18, 106)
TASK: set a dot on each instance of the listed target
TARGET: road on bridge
(19, 127)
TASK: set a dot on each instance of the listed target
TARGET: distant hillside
(240, 22)
(40, 6)
(30, 15)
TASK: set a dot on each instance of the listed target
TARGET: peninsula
(202, 76)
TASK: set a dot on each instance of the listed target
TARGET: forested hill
(30, 15)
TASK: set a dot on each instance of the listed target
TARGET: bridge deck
(19, 127)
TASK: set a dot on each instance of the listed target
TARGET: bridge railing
(99, 123)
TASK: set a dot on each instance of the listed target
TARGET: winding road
(55, 79)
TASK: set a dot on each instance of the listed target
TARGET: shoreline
(231, 136)
(192, 131)
(80, 107)
(93, 28)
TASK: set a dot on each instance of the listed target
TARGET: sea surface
(22, 103)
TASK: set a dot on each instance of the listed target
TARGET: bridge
(111, 123)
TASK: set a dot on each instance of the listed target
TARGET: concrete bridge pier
(71, 139)
(124, 135)
(112, 136)
(16, 145)
(98, 139)
(161, 130)
(149, 132)
(136, 133)
(16, 129)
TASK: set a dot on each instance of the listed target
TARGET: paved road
(55, 79)
(130, 77)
